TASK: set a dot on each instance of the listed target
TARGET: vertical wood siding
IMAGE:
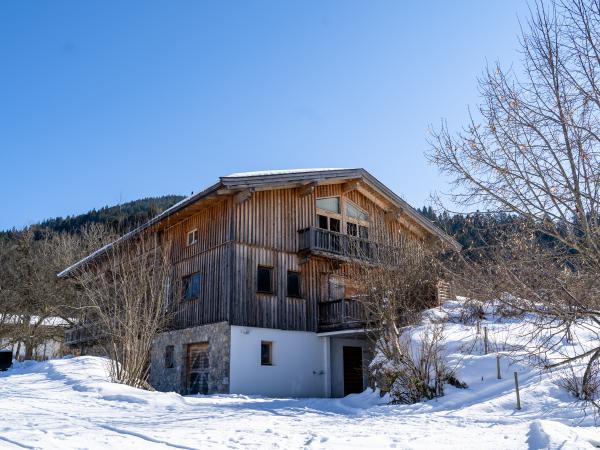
(235, 238)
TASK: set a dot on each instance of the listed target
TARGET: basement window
(266, 353)
(192, 237)
(293, 284)
(169, 357)
(264, 280)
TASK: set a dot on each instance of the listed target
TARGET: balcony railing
(84, 333)
(317, 240)
(341, 314)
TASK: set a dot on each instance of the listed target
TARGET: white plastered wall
(299, 363)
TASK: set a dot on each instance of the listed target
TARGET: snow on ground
(69, 403)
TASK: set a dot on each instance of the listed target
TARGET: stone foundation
(218, 336)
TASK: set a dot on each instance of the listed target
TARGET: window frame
(287, 286)
(328, 211)
(269, 361)
(185, 280)
(342, 217)
(194, 234)
(271, 270)
(330, 214)
(348, 202)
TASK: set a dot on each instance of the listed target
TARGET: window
(334, 225)
(355, 212)
(169, 357)
(363, 232)
(191, 286)
(266, 353)
(323, 222)
(340, 288)
(264, 280)
(293, 284)
(329, 223)
(192, 237)
(331, 204)
(336, 287)
(351, 228)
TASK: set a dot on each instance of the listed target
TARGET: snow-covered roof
(276, 172)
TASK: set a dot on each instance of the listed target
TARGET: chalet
(263, 306)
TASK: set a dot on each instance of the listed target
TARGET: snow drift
(70, 403)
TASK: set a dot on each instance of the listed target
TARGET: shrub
(413, 373)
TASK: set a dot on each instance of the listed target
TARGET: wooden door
(353, 370)
(197, 368)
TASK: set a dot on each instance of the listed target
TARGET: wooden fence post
(485, 341)
(517, 389)
(498, 367)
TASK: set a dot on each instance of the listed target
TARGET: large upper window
(331, 204)
(191, 286)
(355, 212)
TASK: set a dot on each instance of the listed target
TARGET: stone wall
(217, 335)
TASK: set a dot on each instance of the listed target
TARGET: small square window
(169, 357)
(192, 237)
(191, 286)
(293, 284)
(264, 280)
(266, 353)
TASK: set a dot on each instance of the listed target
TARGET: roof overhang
(234, 184)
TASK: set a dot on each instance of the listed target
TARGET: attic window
(355, 212)
(192, 237)
(331, 204)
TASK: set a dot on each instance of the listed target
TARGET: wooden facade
(248, 221)
(239, 233)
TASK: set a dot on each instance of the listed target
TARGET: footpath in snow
(70, 403)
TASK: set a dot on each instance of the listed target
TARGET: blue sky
(109, 101)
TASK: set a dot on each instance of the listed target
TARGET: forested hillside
(121, 218)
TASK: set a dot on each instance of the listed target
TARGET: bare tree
(533, 149)
(126, 296)
(34, 304)
(395, 282)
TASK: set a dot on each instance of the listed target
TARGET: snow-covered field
(69, 403)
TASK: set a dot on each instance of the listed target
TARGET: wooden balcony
(343, 314)
(335, 245)
(84, 333)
